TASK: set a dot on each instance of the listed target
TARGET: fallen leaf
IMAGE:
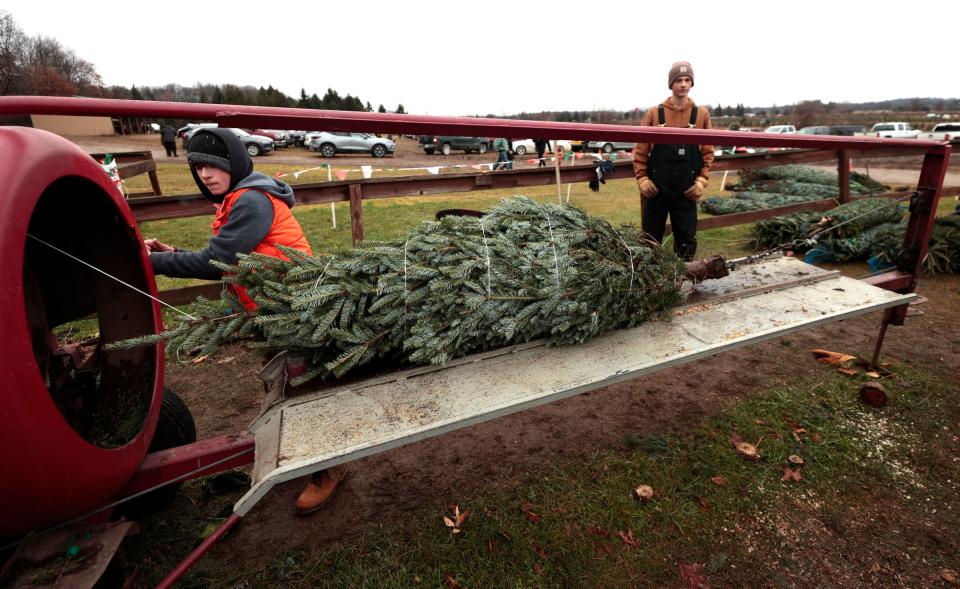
(703, 503)
(790, 474)
(872, 374)
(537, 568)
(815, 438)
(602, 550)
(628, 538)
(847, 371)
(198, 359)
(451, 582)
(795, 460)
(598, 531)
(527, 510)
(719, 481)
(949, 575)
(490, 547)
(692, 575)
(225, 360)
(748, 451)
(539, 551)
(456, 523)
(643, 493)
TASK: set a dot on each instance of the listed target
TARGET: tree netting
(777, 186)
(523, 271)
(943, 249)
(845, 221)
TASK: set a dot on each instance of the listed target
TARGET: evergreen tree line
(42, 66)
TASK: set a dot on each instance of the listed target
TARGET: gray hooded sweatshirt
(248, 224)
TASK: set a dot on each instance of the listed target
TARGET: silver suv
(330, 144)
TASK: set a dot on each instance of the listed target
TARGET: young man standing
(672, 177)
(253, 215)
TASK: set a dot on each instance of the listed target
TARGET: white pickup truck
(943, 132)
(892, 130)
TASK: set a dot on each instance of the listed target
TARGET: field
(548, 490)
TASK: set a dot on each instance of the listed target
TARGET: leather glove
(647, 188)
(696, 191)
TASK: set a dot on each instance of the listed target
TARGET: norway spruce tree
(523, 271)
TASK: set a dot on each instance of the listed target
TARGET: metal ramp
(308, 433)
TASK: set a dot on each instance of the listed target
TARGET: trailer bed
(308, 433)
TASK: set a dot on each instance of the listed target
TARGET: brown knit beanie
(681, 68)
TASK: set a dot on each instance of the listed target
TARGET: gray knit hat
(681, 68)
(208, 149)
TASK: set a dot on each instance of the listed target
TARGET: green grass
(856, 458)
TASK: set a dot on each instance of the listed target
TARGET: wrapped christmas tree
(523, 271)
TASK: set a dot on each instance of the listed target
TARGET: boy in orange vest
(253, 215)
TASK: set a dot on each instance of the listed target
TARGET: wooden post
(154, 180)
(356, 212)
(843, 173)
(333, 208)
(557, 155)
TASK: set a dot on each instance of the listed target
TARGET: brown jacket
(673, 118)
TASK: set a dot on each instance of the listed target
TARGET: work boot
(320, 488)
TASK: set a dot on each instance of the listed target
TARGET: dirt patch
(434, 473)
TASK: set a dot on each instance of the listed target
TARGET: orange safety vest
(285, 231)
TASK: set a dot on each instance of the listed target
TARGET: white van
(781, 129)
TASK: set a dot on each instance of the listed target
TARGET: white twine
(323, 272)
(553, 243)
(128, 285)
(629, 255)
(405, 285)
(487, 249)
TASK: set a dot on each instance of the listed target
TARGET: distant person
(672, 177)
(168, 136)
(541, 145)
(504, 149)
(253, 215)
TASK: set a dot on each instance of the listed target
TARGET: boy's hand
(647, 188)
(155, 245)
(696, 191)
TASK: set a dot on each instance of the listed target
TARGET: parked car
(296, 137)
(191, 127)
(610, 146)
(330, 144)
(254, 144)
(893, 130)
(576, 145)
(445, 144)
(525, 146)
(279, 137)
(847, 130)
(819, 130)
(781, 129)
(943, 132)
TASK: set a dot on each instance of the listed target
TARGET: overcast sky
(503, 57)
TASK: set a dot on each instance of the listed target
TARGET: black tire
(445, 149)
(520, 150)
(253, 149)
(482, 149)
(428, 151)
(378, 150)
(175, 427)
(328, 150)
(607, 148)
